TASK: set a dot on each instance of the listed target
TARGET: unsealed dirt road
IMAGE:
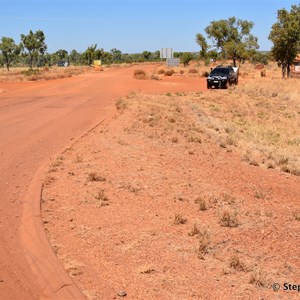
(37, 119)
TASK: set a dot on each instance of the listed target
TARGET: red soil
(36, 120)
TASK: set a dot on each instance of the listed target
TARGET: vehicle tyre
(208, 86)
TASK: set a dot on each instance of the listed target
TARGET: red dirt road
(37, 119)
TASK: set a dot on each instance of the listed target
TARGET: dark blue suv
(222, 77)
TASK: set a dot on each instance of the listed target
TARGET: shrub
(186, 58)
(207, 62)
(31, 72)
(139, 74)
(121, 104)
(154, 77)
(205, 74)
(193, 71)
(169, 72)
(259, 67)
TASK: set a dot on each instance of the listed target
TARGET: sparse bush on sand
(169, 72)
(193, 71)
(139, 74)
(121, 104)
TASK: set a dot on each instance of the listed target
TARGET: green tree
(74, 57)
(1, 60)
(61, 54)
(116, 54)
(107, 57)
(233, 37)
(35, 45)
(186, 58)
(285, 35)
(261, 58)
(9, 50)
(178, 54)
(201, 41)
(213, 54)
(99, 54)
(156, 55)
(146, 55)
(89, 54)
(49, 59)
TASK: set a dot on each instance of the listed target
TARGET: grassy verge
(24, 74)
(259, 118)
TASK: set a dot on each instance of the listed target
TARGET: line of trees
(32, 51)
(232, 39)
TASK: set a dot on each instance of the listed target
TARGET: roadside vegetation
(45, 73)
(259, 118)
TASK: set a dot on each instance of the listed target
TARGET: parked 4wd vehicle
(222, 77)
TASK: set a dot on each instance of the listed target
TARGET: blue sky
(130, 25)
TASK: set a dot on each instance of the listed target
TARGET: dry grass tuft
(228, 218)
(194, 231)
(236, 264)
(297, 216)
(102, 198)
(203, 244)
(94, 176)
(259, 279)
(201, 202)
(179, 219)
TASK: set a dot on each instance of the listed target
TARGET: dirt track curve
(38, 119)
